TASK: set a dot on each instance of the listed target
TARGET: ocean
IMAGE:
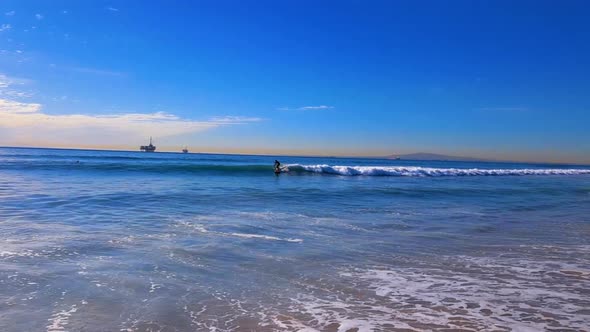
(131, 241)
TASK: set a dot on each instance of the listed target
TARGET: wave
(134, 167)
(165, 166)
(416, 171)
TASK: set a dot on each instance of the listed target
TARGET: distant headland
(432, 156)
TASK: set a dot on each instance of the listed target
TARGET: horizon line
(479, 160)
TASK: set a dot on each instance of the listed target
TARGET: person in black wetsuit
(277, 166)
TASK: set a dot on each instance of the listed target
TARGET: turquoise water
(130, 241)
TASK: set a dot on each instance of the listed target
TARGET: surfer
(277, 166)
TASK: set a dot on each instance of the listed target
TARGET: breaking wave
(428, 171)
(184, 166)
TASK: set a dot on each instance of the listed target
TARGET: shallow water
(125, 241)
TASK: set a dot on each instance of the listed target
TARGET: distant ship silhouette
(148, 148)
(184, 150)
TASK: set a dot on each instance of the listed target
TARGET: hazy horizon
(294, 153)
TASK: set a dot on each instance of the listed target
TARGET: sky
(493, 79)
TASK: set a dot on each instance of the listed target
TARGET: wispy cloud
(22, 121)
(503, 109)
(61, 98)
(11, 87)
(306, 108)
(39, 16)
(5, 27)
(112, 9)
(10, 13)
(93, 71)
(15, 94)
(321, 107)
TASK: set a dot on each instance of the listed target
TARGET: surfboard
(281, 169)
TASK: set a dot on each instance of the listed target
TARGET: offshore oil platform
(148, 148)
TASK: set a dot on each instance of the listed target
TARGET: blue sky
(497, 79)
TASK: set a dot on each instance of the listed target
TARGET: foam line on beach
(470, 293)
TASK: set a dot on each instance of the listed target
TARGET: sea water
(130, 241)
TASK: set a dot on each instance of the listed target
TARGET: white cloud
(10, 13)
(112, 9)
(5, 27)
(13, 107)
(306, 108)
(39, 16)
(26, 123)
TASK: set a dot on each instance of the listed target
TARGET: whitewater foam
(264, 237)
(60, 319)
(201, 229)
(510, 294)
(429, 171)
(470, 293)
